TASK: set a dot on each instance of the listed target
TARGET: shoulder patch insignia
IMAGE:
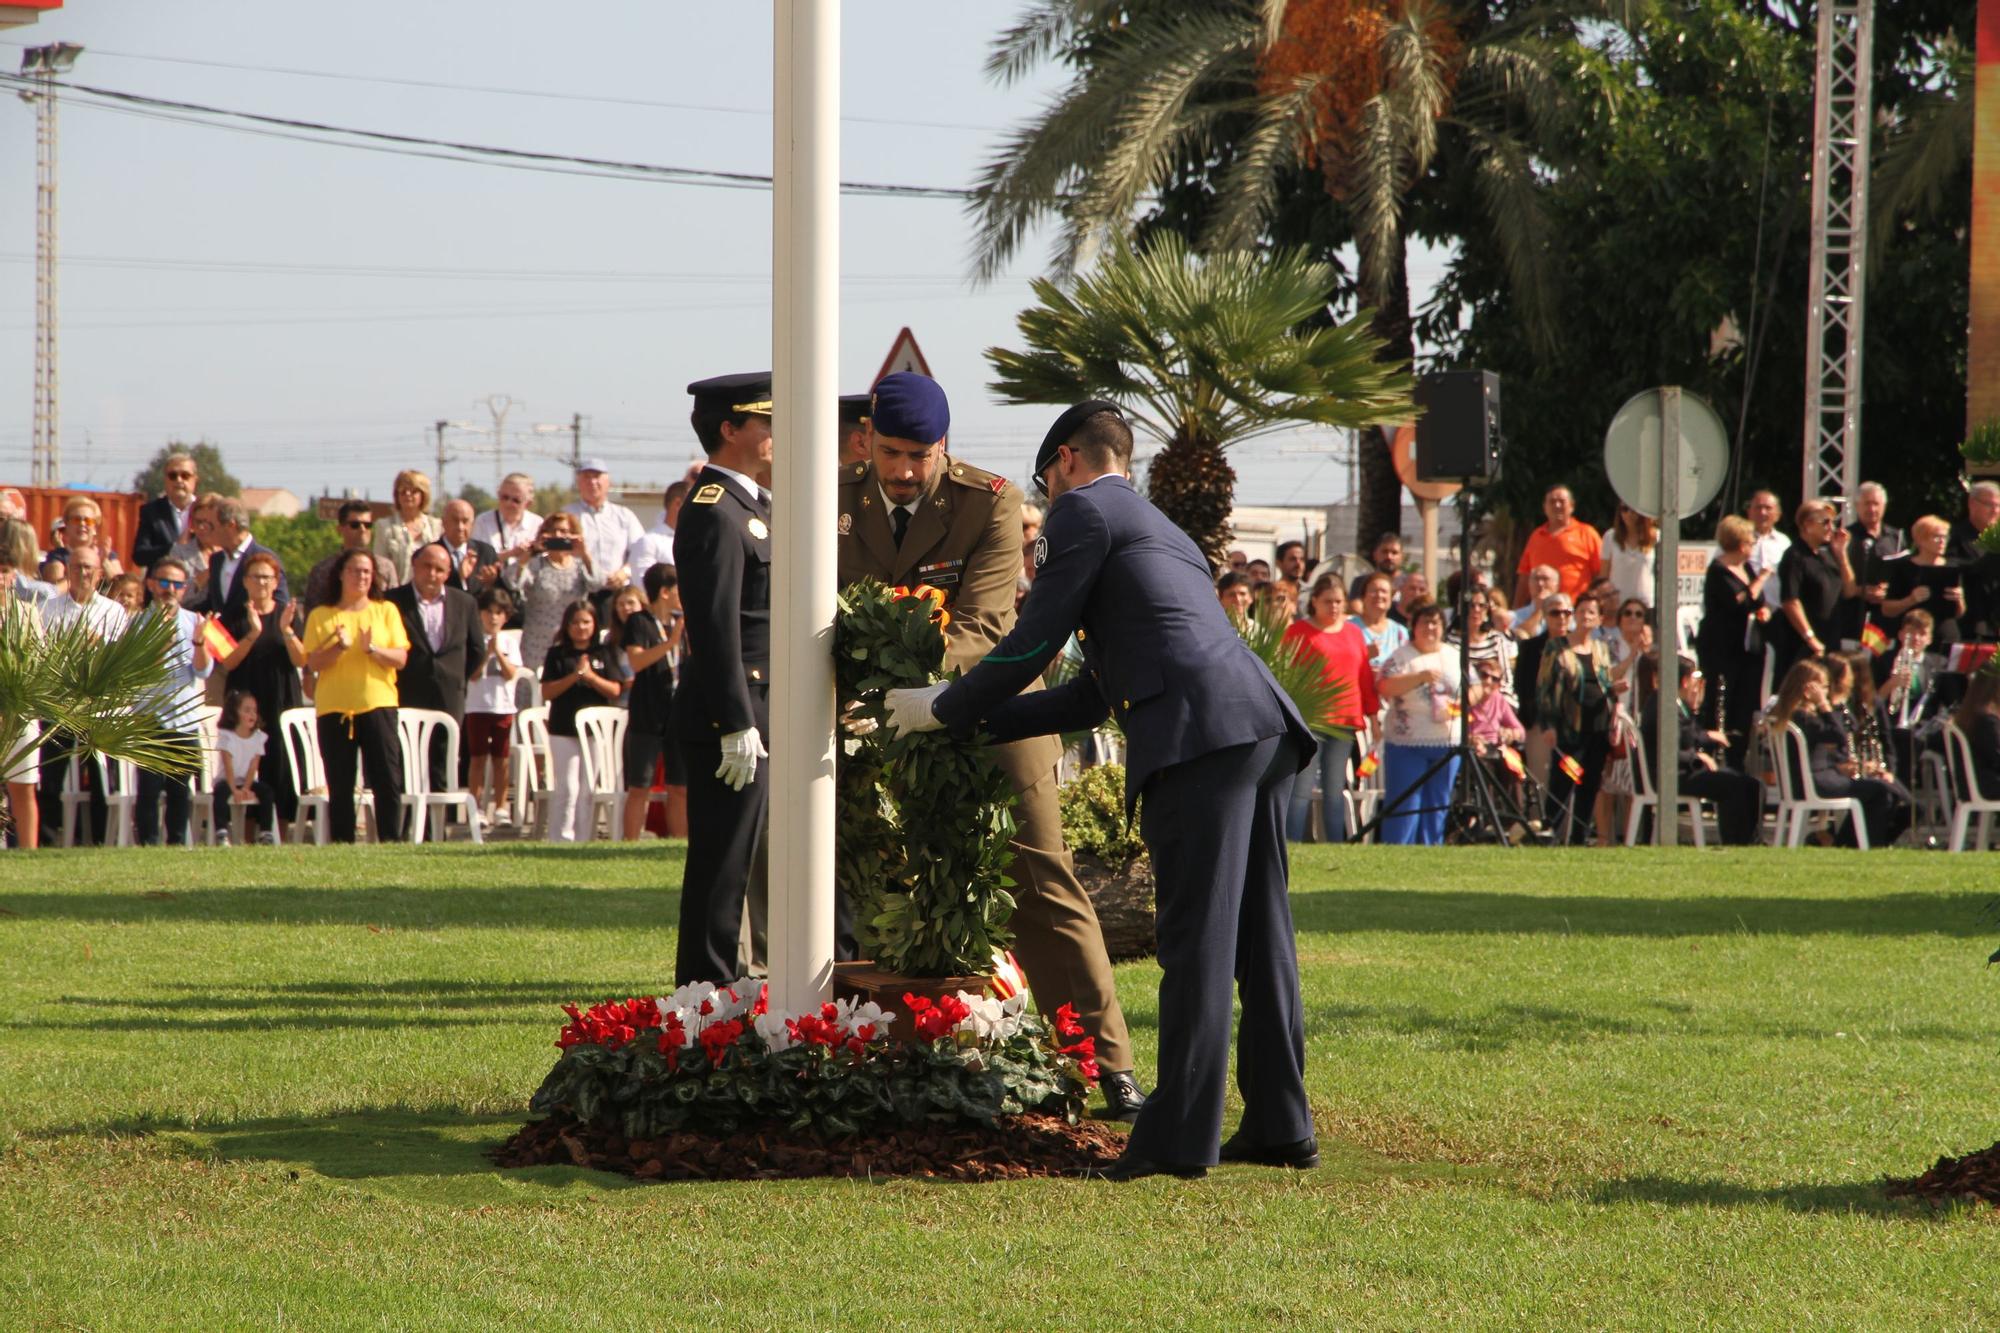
(707, 495)
(1041, 551)
(998, 484)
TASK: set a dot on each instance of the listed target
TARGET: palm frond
(1923, 153)
(1512, 195)
(112, 695)
(1248, 189)
(1039, 33)
(1300, 674)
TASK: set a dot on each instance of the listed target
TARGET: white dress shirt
(1765, 553)
(608, 533)
(489, 527)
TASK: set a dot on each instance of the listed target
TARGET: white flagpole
(805, 339)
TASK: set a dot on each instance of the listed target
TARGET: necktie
(902, 521)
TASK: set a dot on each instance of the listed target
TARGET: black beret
(1067, 425)
(734, 394)
(853, 408)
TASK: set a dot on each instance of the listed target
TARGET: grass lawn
(1638, 1090)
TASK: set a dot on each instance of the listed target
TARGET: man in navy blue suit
(1212, 744)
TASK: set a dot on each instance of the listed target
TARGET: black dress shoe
(1301, 1155)
(1129, 1167)
(1122, 1098)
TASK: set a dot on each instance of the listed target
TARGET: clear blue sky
(313, 309)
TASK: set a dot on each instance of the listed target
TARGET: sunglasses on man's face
(180, 476)
(360, 524)
(1559, 611)
(171, 585)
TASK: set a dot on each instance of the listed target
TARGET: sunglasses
(360, 524)
(1633, 615)
(1559, 611)
(171, 585)
(180, 476)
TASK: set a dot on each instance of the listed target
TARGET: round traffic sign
(1403, 453)
(1632, 454)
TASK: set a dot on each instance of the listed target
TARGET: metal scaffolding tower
(43, 63)
(1842, 110)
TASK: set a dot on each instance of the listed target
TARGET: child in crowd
(239, 746)
(129, 591)
(628, 601)
(490, 707)
(576, 675)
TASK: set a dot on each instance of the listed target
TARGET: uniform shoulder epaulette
(707, 495)
(979, 479)
(852, 473)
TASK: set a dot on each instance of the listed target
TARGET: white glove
(910, 710)
(855, 724)
(740, 752)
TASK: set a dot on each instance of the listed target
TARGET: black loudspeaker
(1458, 434)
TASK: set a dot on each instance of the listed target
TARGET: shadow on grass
(1447, 912)
(553, 906)
(1864, 1198)
(334, 1004)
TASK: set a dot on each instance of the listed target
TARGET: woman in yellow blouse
(411, 528)
(357, 644)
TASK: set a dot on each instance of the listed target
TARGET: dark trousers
(276, 770)
(1885, 805)
(57, 747)
(176, 792)
(722, 842)
(1740, 674)
(1739, 802)
(370, 740)
(1215, 827)
(261, 811)
(1573, 800)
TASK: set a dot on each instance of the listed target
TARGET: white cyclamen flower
(771, 1027)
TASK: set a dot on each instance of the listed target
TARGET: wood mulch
(1014, 1149)
(1973, 1176)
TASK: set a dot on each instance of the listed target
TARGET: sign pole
(1666, 635)
(805, 325)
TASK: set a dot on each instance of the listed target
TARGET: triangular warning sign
(904, 354)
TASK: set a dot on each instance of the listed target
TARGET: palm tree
(111, 695)
(1201, 354)
(1242, 94)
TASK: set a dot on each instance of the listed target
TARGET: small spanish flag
(1873, 639)
(1512, 758)
(1571, 769)
(219, 641)
(1006, 981)
(1369, 763)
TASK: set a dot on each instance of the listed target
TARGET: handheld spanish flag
(1571, 769)
(1369, 763)
(1873, 639)
(1006, 981)
(1512, 758)
(219, 641)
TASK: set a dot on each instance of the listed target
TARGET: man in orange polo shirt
(1565, 543)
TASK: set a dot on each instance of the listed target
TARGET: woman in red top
(1343, 651)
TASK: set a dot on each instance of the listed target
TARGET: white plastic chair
(1970, 801)
(417, 727)
(1800, 803)
(118, 782)
(201, 815)
(602, 733)
(300, 729)
(528, 758)
(1644, 797)
(1933, 794)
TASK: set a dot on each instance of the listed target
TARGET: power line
(899, 122)
(306, 268)
(414, 145)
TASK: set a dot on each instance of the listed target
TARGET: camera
(558, 543)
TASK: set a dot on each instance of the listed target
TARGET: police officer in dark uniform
(1212, 744)
(913, 514)
(722, 551)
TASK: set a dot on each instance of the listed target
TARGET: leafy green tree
(551, 497)
(1222, 110)
(1678, 242)
(477, 496)
(300, 541)
(1201, 354)
(151, 479)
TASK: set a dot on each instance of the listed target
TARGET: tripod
(1479, 808)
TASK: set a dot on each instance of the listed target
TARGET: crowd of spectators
(1865, 642)
(1861, 639)
(477, 616)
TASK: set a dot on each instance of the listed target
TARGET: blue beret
(1067, 425)
(910, 406)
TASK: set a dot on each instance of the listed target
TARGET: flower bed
(715, 1063)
